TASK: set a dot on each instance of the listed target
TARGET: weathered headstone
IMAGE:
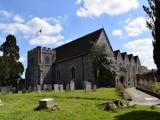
(39, 88)
(49, 87)
(30, 89)
(94, 87)
(14, 90)
(67, 87)
(24, 90)
(61, 88)
(88, 87)
(85, 82)
(56, 87)
(8, 88)
(72, 85)
(4, 91)
(45, 88)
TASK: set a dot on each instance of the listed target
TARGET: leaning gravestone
(4, 91)
(39, 88)
(49, 87)
(88, 87)
(56, 87)
(72, 85)
(61, 88)
(45, 88)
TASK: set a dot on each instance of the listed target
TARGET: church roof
(77, 47)
(135, 58)
(123, 55)
(116, 53)
(130, 56)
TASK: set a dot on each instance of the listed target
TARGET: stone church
(72, 61)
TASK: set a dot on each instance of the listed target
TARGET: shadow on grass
(139, 115)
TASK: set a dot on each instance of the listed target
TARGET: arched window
(47, 60)
(73, 73)
(58, 76)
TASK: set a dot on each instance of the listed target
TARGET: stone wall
(83, 70)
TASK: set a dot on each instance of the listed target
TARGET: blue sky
(64, 20)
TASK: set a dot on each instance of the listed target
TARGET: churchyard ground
(77, 105)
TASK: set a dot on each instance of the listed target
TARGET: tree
(104, 66)
(12, 68)
(153, 23)
(4, 70)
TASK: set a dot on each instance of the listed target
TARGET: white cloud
(136, 26)
(31, 27)
(50, 32)
(144, 49)
(78, 1)
(117, 32)
(46, 40)
(110, 7)
(18, 18)
(36, 24)
(22, 59)
(5, 13)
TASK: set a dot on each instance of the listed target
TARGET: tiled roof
(77, 47)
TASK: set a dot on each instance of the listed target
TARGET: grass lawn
(76, 105)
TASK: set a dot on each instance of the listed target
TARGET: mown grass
(76, 105)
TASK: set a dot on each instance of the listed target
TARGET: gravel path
(141, 98)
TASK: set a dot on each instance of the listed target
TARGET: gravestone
(61, 88)
(56, 87)
(24, 90)
(45, 88)
(39, 88)
(4, 91)
(8, 89)
(88, 87)
(85, 82)
(35, 88)
(94, 87)
(67, 87)
(49, 87)
(14, 90)
(72, 85)
(30, 89)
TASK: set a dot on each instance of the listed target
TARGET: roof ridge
(101, 29)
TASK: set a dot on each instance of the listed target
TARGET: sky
(62, 21)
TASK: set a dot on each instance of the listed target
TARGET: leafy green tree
(12, 68)
(153, 23)
(4, 70)
(104, 67)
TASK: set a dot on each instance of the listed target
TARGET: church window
(47, 60)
